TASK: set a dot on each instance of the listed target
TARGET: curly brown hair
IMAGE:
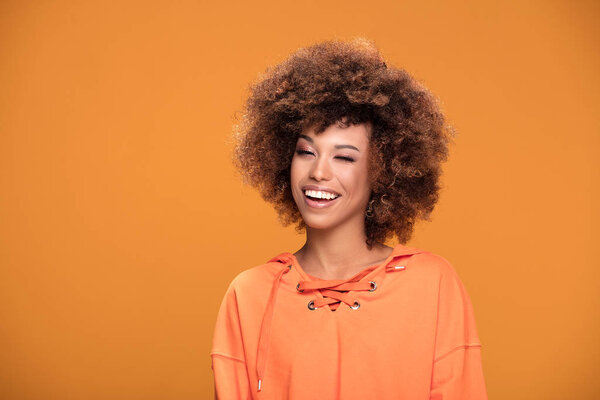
(346, 82)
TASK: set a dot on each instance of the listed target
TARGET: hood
(334, 292)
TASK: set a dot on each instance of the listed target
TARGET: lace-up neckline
(336, 291)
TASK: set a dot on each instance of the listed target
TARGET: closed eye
(347, 159)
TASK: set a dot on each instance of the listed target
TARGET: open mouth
(319, 199)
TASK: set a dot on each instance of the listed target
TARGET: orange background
(122, 220)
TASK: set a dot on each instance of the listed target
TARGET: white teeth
(320, 195)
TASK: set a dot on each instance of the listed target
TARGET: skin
(335, 245)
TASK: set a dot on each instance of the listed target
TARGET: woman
(349, 150)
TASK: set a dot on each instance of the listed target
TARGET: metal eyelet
(373, 286)
(355, 306)
(298, 288)
(311, 305)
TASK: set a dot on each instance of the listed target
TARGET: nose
(320, 170)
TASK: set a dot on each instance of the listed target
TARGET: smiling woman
(329, 177)
(350, 150)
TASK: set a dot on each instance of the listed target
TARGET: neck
(338, 253)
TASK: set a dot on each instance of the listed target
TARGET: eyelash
(348, 159)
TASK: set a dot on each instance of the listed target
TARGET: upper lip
(320, 188)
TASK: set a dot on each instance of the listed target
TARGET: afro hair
(346, 82)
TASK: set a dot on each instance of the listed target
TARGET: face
(333, 167)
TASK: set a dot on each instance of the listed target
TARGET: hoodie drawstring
(337, 291)
(265, 328)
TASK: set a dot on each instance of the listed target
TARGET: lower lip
(319, 204)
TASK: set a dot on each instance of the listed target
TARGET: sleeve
(227, 353)
(457, 371)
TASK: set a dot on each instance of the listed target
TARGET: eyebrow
(337, 146)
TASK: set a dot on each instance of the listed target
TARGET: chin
(319, 223)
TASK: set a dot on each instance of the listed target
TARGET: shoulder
(255, 277)
(431, 264)
(451, 291)
(249, 290)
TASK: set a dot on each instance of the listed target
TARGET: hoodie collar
(398, 251)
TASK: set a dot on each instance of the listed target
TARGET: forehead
(357, 135)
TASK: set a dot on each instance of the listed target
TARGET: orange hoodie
(402, 329)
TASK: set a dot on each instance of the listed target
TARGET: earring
(369, 212)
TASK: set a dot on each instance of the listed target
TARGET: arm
(227, 354)
(457, 372)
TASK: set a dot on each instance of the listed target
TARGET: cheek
(294, 173)
(356, 181)
(295, 178)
